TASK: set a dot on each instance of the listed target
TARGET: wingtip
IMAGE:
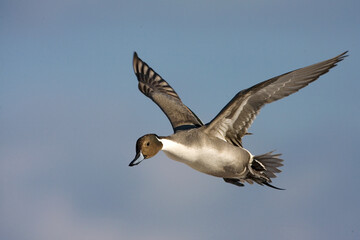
(343, 55)
(135, 55)
(135, 62)
(339, 58)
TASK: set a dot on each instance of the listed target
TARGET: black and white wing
(157, 89)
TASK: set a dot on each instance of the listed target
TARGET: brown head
(146, 147)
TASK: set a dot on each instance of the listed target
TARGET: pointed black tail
(264, 167)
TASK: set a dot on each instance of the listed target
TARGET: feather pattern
(157, 89)
(233, 121)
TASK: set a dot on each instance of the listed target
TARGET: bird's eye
(148, 143)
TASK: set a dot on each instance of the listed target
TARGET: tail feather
(272, 186)
(264, 167)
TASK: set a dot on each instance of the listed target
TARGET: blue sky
(70, 114)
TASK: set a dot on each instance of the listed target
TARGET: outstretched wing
(157, 89)
(235, 118)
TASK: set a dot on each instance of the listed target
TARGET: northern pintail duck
(216, 148)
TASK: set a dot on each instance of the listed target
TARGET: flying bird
(216, 148)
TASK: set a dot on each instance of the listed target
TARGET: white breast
(180, 152)
(206, 159)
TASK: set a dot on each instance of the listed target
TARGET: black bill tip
(138, 159)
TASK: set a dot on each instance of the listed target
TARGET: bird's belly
(231, 162)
